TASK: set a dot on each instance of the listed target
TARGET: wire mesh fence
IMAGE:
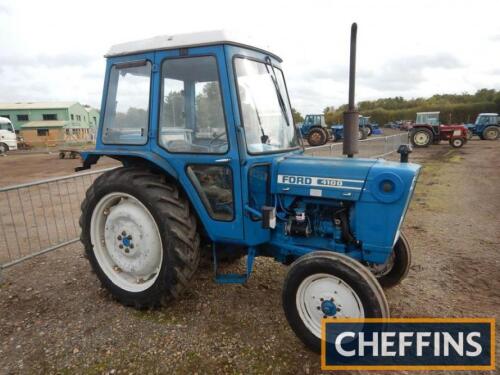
(375, 147)
(41, 216)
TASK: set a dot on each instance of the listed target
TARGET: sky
(53, 50)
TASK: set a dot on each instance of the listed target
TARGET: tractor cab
(209, 110)
(315, 120)
(428, 118)
(487, 119)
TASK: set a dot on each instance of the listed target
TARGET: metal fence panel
(375, 147)
(41, 216)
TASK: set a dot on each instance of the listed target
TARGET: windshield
(485, 120)
(266, 127)
(428, 118)
(6, 126)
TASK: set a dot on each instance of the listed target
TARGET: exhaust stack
(351, 116)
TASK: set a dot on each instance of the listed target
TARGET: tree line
(453, 108)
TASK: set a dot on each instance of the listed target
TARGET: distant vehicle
(427, 130)
(406, 125)
(8, 138)
(369, 127)
(315, 130)
(399, 124)
(486, 127)
(338, 132)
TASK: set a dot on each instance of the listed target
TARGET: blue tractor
(486, 127)
(369, 127)
(363, 132)
(315, 130)
(212, 163)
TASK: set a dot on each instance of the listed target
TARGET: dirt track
(54, 317)
(17, 168)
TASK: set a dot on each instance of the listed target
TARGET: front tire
(139, 236)
(325, 284)
(457, 142)
(3, 148)
(421, 137)
(397, 266)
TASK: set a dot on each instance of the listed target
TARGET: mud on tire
(176, 226)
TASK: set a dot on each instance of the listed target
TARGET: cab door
(195, 132)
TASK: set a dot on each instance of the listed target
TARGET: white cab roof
(4, 120)
(203, 38)
(488, 114)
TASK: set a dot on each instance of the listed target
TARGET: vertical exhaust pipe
(351, 116)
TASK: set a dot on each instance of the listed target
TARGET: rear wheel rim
(315, 137)
(322, 296)
(491, 134)
(126, 242)
(421, 138)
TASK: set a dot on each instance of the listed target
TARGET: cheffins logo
(408, 344)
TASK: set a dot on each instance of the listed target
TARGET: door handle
(225, 160)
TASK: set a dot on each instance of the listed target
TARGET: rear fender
(91, 157)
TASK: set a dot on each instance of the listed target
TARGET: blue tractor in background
(486, 127)
(213, 164)
(315, 130)
(369, 127)
(366, 129)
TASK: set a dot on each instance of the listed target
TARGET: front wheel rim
(322, 296)
(457, 142)
(126, 242)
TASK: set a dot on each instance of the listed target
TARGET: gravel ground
(55, 318)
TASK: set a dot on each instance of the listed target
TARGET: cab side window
(126, 115)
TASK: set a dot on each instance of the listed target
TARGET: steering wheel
(216, 138)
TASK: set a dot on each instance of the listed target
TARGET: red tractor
(427, 130)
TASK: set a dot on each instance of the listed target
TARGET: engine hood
(337, 178)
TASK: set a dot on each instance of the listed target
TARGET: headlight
(387, 187)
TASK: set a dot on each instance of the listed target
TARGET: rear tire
(329, 284)
(421, 137)
(144, 202)
(316, 137)
(491, 133)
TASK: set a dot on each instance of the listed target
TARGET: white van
(8, 139)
